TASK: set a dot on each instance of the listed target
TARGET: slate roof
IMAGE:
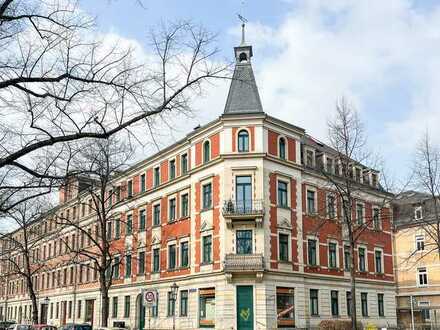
(243, 96)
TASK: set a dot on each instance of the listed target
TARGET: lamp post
(174, 289)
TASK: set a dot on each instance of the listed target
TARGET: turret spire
(243, 96)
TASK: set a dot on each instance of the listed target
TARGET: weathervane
(243, 24)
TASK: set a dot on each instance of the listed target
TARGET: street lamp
(46, 301)
(174, 289)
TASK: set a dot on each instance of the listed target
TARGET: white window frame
(311, 188)
(382, 263)
(211, 257)
(239, 129)
(332, 169)
(418, 273)
(328, 253)
(176, 215)
(177, 264)
(366, 257)
(417, 239)
(289, 244)
(182, 193)
(154, 247)
(202, 184)
(160, 213)
(313, 157)
(210, 150)
(416, 209)
(169, 168)
(187, 163)
(287, 182)
(363, 212)
(334, 205)
(380, 218)
(156, 184)
(315, 238)
(184, 240)
(423, 304)
(286, 145)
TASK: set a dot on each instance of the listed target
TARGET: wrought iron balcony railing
(243, 207)
(244, 262)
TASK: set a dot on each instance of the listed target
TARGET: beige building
(417, 262)
(228, 214)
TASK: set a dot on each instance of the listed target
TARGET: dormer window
(374, 179)
(243, 141)
(418, 214)
(329, 165)
(309, 158)
(357, 172)
(365, 177)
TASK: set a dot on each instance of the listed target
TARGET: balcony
(246, 264)
(243, 211)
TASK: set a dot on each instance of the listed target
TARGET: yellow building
(417, 262)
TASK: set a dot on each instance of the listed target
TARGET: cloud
(381, 55)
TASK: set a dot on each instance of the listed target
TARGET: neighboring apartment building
(229, 214)
(417, 261)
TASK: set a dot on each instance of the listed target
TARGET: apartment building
(228, 214)
(417, 261)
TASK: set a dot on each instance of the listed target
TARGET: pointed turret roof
(243, 96)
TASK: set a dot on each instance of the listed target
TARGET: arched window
(206, 152)
(242, 57)
(282, 148)
(243, 141)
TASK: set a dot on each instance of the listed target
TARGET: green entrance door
(245, 308)
(141, 314)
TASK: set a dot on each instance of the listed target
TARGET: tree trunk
(33, 297)
(105, 301)
(353, 288)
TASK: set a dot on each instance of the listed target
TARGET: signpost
(149, 300)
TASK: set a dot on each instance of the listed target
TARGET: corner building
(229, 214)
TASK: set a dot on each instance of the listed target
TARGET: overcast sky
(383, 56)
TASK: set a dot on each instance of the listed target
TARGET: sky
(382, 56)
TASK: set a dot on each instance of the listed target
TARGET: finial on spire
(243, 25)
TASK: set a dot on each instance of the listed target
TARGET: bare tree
(350, 176)
(99, 163)
(60, 83)
(19, 257)
(426, 179)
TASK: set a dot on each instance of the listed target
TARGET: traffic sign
(149, 297)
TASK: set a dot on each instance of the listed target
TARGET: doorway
(141, 311)
(245, 307)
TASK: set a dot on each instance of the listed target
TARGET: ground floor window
(314, 302)
(285, 308)
(334, 302)
(348, 303)
(184, 303)
(424, 311)
(364, 303)
(380, 305)
(207, 307)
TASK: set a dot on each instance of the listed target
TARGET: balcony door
(243, 188)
